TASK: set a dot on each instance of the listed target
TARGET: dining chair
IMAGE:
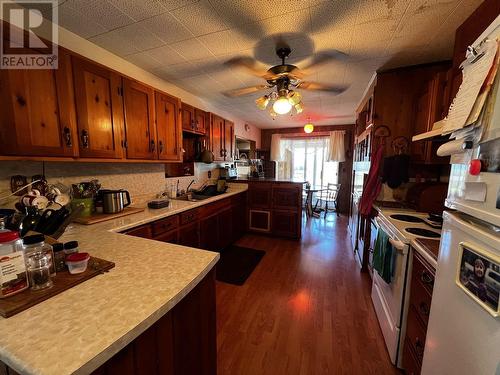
(329, 197)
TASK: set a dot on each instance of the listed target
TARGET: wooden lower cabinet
(226, 228)
(189, 235)
(259, 220)
(422, 283)
(209, 232)
(182, 342)
(144, 231)
(285, 223)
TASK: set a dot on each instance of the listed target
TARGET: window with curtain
(306, 159)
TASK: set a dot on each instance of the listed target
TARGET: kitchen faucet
(187, 189)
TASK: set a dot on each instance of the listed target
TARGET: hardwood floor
(306, 309)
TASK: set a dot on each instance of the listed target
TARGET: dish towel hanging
(373, 184)
(336, 150)
(384, 257)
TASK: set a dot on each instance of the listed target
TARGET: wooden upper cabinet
(188, 120)
(228, 140)
(140, 129)
(99, 110)
(200, 118)
(217, 141)
(38, 114)
(168, 127)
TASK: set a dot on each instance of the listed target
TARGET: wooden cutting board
(62, 281)
(98, 218)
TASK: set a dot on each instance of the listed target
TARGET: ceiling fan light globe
(262, 102)
(282, 106)
(294, 97)
(308, 128)
(299, 108)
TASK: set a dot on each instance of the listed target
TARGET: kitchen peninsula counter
(82, 328)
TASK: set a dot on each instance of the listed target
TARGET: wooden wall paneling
(168, 127)
(140, 130)
(99, 109)
(38, 114)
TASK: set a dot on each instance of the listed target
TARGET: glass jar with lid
(38, 264)
(13, 278)
(35, 243)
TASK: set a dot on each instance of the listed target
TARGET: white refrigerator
(463, 335)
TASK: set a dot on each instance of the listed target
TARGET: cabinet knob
(85, 138)
(426, 278)
(153, 146)
(67, 137)
(160, 147)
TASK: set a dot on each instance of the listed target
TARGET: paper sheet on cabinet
(474, 71)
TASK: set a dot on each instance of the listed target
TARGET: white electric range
(390, 299)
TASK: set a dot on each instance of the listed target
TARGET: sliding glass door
(304, 159)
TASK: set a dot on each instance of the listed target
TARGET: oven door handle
(398, 245)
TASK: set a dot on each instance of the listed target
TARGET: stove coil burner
(407, 218)
(423, 232)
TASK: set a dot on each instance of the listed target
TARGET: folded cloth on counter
(395, 171)
(384, 257)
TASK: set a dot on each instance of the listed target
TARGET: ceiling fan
(286, 78)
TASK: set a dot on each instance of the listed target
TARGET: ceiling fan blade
(315, 86)
(249, 64)
(322, 58)
(245, 91)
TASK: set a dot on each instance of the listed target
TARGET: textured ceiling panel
(188, 42)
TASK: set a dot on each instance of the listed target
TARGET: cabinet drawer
(422, 274)
(286, 198)
(170, 237)
(420, 299)
(144, 231)
(188, 216)
(213, 208)
(165, 225)
(415, 334)
(410, 363)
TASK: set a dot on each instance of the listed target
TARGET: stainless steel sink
(192, 197)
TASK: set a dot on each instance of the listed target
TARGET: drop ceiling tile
(139, 10)
(167, 28)
(79, 23)
(191, 49)
(338, 38)
(299, 22)
(333, 14)
(371, 44)
(381, 11)
(139, 37)
(174, 4)
(166, 55)
(115, 43)
(200, 18)
(100, 11)
(144, 60)
(220, 43)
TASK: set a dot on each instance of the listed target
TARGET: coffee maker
(256, 168)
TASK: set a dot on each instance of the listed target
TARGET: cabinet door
(188, 121)
(99, 109)
(200, 119)
(226, 228)
(209, 233)
(287, 197)
(285, 223)
(189, 235)
(38, 114)
(228, 140)
(169, 237)
(143, 231)
(259, 220)
(139, 120)
(168, 127)
(217, 137)
(259, 195)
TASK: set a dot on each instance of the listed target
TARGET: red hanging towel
(373, 184)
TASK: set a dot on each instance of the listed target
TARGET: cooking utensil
(114, 201)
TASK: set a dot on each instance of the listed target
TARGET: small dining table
(310, 191)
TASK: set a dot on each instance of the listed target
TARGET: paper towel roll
(450, 148)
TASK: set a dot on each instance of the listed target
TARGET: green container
(87, 204)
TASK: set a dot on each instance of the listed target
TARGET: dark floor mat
(237, 263)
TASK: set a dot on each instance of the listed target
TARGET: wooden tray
(62, 281)
(97, 218)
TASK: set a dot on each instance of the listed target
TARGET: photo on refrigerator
(479, 276)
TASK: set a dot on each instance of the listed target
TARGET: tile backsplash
(143, 181)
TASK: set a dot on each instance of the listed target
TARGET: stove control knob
(475, 167)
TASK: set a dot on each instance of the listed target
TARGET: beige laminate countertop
(81, 328)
